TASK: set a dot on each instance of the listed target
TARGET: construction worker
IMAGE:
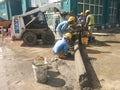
(81, 19)
(61, 46)
(57, 21)
(62, 27)
(90, 24)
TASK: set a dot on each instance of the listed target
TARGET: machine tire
(48, 37)
(30, 38)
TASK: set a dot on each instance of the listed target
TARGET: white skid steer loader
(32, 26)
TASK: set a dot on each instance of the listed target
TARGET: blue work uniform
(61, 45)
(57, 21)
(61, 29)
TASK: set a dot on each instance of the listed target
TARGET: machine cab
(35, 21)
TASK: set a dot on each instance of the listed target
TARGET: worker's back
(62, 26)
(60, 45)
(91, 22)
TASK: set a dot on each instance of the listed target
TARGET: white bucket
(40, 72)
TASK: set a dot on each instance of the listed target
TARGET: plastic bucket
(84, 40)
(40, 71)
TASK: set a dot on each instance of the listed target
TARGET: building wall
(112, 12)
(65, 6)
(24, 6)
(73, 6)
(38, 2)
(95, 6)
(69, 5)
(118, 13)
(3, 10)
(105, 11)
(9, 8)
(16, 7)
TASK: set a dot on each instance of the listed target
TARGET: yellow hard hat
(71, 18)
(87, 11)
(81, 13)
(68, 35)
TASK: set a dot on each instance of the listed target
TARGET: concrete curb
(81, 72)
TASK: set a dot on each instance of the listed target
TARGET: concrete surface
(17, 73)
(16, 65)
(104, 55)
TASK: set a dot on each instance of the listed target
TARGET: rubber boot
(62, 55)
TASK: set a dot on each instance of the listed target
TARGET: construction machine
(32, 26)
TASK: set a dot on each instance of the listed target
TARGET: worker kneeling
(61, 46)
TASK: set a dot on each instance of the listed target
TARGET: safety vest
(91, 22)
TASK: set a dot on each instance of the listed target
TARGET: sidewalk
(104, 57)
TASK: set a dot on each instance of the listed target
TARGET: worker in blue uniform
(61, 46)
(62, 27)
(57, 21)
